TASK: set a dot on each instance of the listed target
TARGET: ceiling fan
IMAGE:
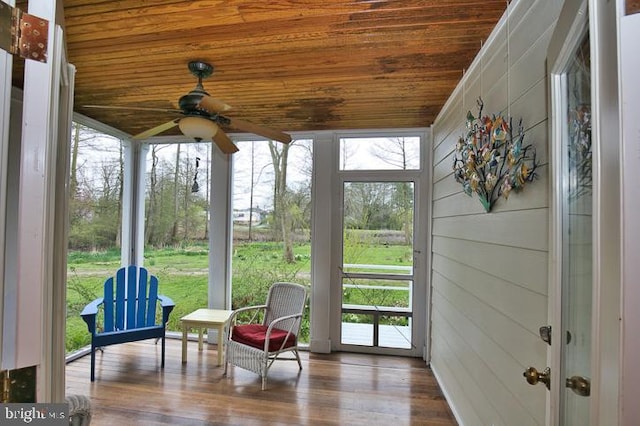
(202, 116)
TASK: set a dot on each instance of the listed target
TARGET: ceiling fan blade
(213, 105)
(132, 108)
(156, 130)
(268, 133)
(224, 143)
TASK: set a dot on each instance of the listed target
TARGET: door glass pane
(376, 292)
(577, 230)
(377, 264)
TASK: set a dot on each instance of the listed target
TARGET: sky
(357, 153)
(299, 165)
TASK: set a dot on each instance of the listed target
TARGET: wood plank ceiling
(294, 65)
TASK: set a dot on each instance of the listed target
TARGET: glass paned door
(577, 240)
(377, 264)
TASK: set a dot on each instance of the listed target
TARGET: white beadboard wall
(490, 270)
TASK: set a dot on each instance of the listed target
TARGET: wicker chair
(256, 345)
(79, 410)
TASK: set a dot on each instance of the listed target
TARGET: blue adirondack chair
(129, 311)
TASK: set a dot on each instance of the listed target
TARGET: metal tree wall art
(491, 160)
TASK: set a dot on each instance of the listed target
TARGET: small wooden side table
(201, 319)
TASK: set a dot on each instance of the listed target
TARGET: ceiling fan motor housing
(189, 102)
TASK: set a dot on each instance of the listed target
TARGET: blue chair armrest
(89, 314)
(167, 306)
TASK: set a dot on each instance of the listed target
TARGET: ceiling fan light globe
(198, 128)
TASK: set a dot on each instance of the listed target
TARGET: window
(380, 153)
(271, 219)
(95, 205)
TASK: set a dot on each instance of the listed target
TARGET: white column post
(126, 237)
(321, 196)
(220, 231)
(133, 208)
(139, 205)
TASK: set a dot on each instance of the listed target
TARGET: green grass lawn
(183, 276)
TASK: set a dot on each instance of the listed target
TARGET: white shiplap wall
(490, 270)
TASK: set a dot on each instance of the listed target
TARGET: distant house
(242, 216)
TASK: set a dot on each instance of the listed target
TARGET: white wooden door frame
(421, 243)
(44, 123)
(605, 358)
(630, 101)
(600, 17)
(570, 27)
(6, 63)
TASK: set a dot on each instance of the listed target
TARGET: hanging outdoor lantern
(195, 187)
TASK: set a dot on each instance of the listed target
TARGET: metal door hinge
(18, 385)
(23, 34)
(545, 334)
(5, 385)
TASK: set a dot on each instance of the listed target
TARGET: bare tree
(251, 187)
(346, 152)
(75, 146)
(176, 206)
(207, 164)
(120, 194)
(279, 157)
(254, 181)
(398, 153)
(152, 207)
(95, 189)
(161, 204)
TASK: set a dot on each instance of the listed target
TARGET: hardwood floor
(334, 389)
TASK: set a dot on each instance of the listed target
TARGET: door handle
(534, 376)
(580, 385)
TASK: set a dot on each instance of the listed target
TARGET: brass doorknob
(534, 376)
(580, 385)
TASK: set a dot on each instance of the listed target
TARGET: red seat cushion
(255, 334)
